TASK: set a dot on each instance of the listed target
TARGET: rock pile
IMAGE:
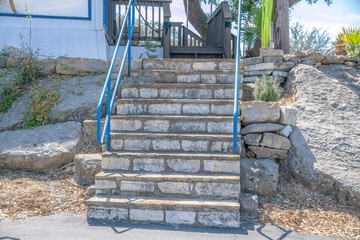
(266, 131)
(267, 128)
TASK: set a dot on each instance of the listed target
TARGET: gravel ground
(298, 209)
(25, 194)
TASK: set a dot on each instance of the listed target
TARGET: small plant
(42, 101)
(150, 49)
(266, 89)
(351, 38)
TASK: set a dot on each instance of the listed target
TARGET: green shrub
(42, 101)
(266, 89)
(351, 38)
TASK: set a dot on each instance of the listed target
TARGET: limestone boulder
(259, 176)
(86, 167)
(41, 148)
(284, 66)
(329, 120)
(331, 59)
(286, 131)
(273, 140)
(261, 127)
(74, 66)
(267, 52)
(260, 112)
(269, 153)
(253, 139)
(288, 115)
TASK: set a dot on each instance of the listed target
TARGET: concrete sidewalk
(71, 226)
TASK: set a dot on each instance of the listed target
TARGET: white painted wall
(59, 37)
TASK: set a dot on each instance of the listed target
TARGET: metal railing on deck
(130, 19)
(237, 79)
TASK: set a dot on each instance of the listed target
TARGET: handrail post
(129, 38)
(237, 76)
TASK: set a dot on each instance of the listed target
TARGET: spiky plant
(351, 38)
(266, 89)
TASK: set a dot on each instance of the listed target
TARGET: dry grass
(24, 194)
(296, 208)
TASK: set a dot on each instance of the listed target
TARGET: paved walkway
(70, 226)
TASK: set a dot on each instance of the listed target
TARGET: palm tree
(12, 5)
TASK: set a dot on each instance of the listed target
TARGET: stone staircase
(171, 157)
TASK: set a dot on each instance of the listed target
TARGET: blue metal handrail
(130, 19)
(237, 80)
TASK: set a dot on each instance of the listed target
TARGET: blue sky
(331, 18)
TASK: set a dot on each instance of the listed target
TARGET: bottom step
(168, 211)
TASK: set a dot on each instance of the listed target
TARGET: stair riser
(172, 145)
(188, 64)
(179, 216)
(172, 165)
(226, 77)
(129, 92)
(172, 126)
(189, 189)
(189, 109)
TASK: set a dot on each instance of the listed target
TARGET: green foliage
(351, 38)
(150, 49)
(266, 89)
(42, 101)
(267, 17)
(26, 73)
(316, 39)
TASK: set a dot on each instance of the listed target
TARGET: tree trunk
(196, 16)
(255, 51)
(12, 6)
(281, 25)
(293, 2)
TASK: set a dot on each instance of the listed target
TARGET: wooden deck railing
(149, 19)
(218, 32)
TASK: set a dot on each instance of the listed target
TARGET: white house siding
(59, 37)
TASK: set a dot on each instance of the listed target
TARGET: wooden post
(281, 25)
(167, 29)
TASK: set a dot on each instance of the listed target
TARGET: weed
(42, 101)
(266, 89)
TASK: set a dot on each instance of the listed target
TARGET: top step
(189, 64)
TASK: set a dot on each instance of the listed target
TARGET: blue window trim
(53, 17)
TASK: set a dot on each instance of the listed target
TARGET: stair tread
(159, 177)
(174, 117)
(172, 135)
(197, 155)
(182, 71)
(179, 85)
(176, 100)
(164, 203)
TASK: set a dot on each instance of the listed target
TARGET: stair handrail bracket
(130, 19)
(237, 81)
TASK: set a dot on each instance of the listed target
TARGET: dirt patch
(298, 209)
(26, 194)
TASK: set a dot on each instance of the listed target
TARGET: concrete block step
(167, 211)
(178, 91)
(194, 186)
(189, 76)
(171, 162)
(173, 124)
(164, 142)
(174, 107)
(189, 64)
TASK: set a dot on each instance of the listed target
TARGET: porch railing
(218, 32)
(237, 81)
(150, 16)
(129, 22)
